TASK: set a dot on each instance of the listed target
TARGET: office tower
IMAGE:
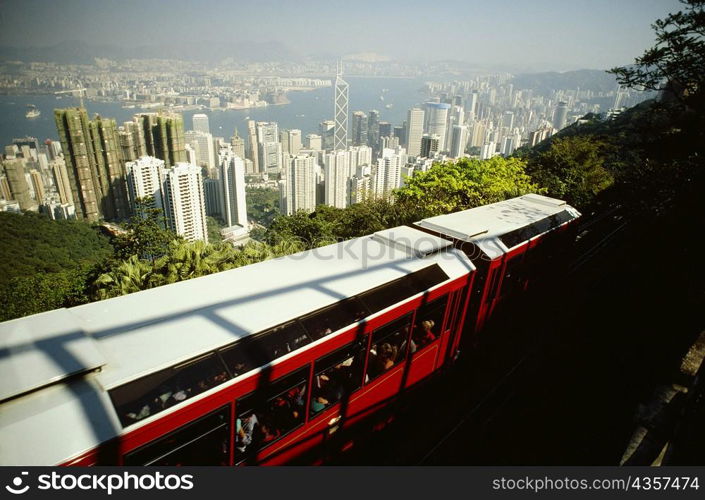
(436, 118)
(337, 171)
(114, 204)
(270, 155)
(144, 179)
(400, 133)
(299, 189)
(359, 128)
(202, 144)
(327, 131)
(238, 145)
(314, 142)
(477, 138)
(38, 186)
(61, 180)
(213, 195)
(560, 115)
(284, 141)
(232, 178)
(17, 181)
(414, 127)
(185, 205)
(373, 128)
(267, 132)
(508, 146)
(200, 123)
(429, 145)
(163, 134)
(294, 141)
(252, 147)
(488, 150)
(385, 129)
(340, 140)
(386, 142)
(458, 141)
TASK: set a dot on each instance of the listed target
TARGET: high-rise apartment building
(299, 188)
(252, 145)
(436, 119)
(373, 128)
(145, 177)
(61, 180)
(429, 145)
(232, 178)
(336, 172)
(184, 201)
(163, 134)
(17, 181)
(202, 144)
(238, 145)
(459, 141)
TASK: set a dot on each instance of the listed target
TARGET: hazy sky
(556, 34)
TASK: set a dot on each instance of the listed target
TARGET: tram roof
(486, 224)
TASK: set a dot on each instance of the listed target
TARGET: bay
(305, 111)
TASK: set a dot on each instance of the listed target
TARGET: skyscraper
(459, 141)
(202, 143)
(294, 141)
(163, 136)
(252, 146)
(340, 139)
(238, 145)
(327, 131)
(436, 120)
(19, 188)
(387, 175)
(61, 180)
(560, 115)
(337, 171)
(200, 123)
(373, 128)
(429, 145)
(184, 201)
(232, 177)
(145, 178)
(299, 189)
(114, 204)
(359, 128)
(414, 124)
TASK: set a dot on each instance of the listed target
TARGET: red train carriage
(264, 363)
(512, 243)
(253, 365)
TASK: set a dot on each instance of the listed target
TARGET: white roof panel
(43, 349)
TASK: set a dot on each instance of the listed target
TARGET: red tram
(264, 363)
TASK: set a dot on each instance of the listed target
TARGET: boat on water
(388, 105)
(32, 112)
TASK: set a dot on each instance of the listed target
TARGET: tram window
(336, 375)
(263, 348)
(154, 393)
(389, 345)
(270, 413)
(429, 323)
(403, 288)
(335, 317)
(203, 442)
(513, 276)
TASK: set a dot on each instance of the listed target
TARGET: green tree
(146, 235)
(466, 183)
(677, 59)
(573, 168)
(309, 229)
(214, 226)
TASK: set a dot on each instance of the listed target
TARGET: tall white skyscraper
(436, 119)
(298, 191)
(184, 201)
(200, 123)
(459, 141)
(337, 170)
(270, 157)
(144, 179)
(387, 175)
(340, 137)
(294, 141)
(202, 144)
(414, 131)
(232, 177)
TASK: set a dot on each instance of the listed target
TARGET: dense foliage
(262, 205)
(34, 244)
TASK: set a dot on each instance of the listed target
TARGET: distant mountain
(78, 52)
(585, 79)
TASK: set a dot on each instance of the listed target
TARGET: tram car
(266, 363)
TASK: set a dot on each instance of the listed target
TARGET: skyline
(541, 36)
